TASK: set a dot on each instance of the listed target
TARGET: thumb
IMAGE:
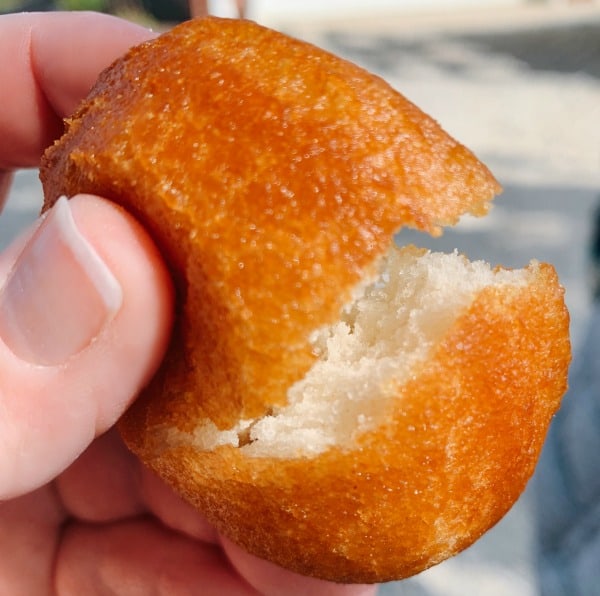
(85, 315)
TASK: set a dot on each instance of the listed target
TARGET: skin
(86, 517)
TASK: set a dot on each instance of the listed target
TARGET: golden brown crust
(273, 175)
(282, 169)
(462, 441)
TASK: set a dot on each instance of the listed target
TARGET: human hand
(85, 315)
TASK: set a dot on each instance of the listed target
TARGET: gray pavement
(522, 89)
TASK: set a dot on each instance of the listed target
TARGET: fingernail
(59, 295)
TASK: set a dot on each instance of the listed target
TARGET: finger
(85, 315)
(108, 483)
(29, 530)
(54, 60)
(268, 578)
(140, 557)
(102, 485)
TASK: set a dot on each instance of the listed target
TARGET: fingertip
(85, 318)
(141, 329)
(50, 62)
(70, 49)
(267, 578)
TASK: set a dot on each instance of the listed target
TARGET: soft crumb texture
(379, 340)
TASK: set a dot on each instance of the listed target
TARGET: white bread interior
(390, 326)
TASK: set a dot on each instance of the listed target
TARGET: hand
(85, 315)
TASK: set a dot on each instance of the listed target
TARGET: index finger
(49, 61)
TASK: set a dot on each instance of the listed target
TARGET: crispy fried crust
(273, 175)
(462, 441)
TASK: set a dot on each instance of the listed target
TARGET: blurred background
(516, 81)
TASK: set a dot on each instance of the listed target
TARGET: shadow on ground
(572, 49)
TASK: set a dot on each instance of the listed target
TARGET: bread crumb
(382, 335)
